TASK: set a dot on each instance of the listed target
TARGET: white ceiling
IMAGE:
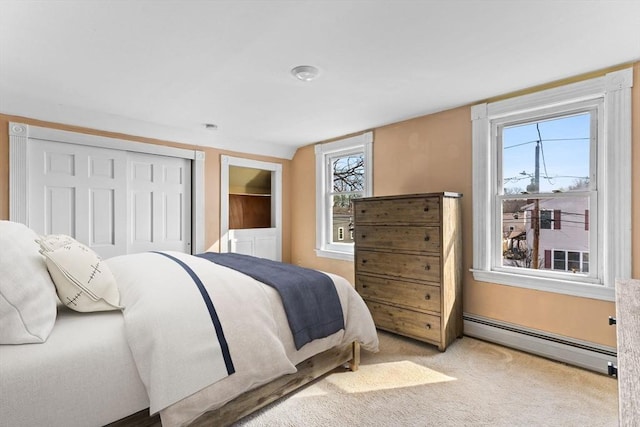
(164, 68)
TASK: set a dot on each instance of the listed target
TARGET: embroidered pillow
(27, 294)
(52, 242)
(83, 281)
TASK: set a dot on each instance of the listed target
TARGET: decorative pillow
(52, 242)
(27, 294)
(83, 281)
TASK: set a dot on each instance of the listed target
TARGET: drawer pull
(364, 261)
(426, 209)
(427, 267)
(428, 326)
(363, 236)
(427, 238)
(427, 297)
(363, 211)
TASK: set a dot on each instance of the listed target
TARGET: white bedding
(254, 324)
(83, 375)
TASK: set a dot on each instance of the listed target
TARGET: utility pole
(536, 210)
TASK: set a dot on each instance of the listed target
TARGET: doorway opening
(251, 207)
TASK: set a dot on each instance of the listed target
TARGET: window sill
(565, 287)
(344, 256)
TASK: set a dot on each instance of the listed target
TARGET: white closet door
(79, 191)
(159, 203)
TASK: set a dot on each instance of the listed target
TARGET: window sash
(592, 106)
(496, 264)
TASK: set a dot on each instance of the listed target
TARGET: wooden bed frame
(249, 402)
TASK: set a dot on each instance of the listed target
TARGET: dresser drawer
(402, 238)
(407, 294)
(405, 322)
(420, 267)
(412, 210)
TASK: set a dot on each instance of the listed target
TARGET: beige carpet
(473, 383)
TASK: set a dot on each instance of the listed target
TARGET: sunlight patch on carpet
(384, 376)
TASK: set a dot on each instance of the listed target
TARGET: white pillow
(52, 242)
(27, 294)
(83, 281)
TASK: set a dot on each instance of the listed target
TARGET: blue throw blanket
(309, 297)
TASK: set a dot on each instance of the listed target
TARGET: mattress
(83, 375)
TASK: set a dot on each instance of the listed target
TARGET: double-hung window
(551, 190)
(343, 173)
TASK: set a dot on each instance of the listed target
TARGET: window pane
(573, 263)
(559, 260)
(545, 220)
(547, 156)
(342, 218)
(585, 262)
(348, 173)
(538, 233)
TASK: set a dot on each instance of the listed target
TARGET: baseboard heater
(556, 347)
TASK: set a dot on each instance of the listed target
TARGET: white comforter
(252, 318)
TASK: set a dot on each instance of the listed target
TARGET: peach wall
(431, 154)
(211, 171)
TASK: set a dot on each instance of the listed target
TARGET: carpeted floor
(473, 383)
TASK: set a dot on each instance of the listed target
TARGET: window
(544, 165)
(563, 260)
(545, 220)
(343, 172)
(541, 185)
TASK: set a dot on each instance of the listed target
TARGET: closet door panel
(160, 201)
(79, 191)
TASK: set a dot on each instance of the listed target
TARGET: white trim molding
(575, 352)
(612, 95)
(18, 173)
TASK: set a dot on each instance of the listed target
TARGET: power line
(546, 140)
(544, 163)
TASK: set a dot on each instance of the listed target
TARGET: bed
(126, 366)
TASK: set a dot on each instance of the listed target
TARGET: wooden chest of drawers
(408, 264)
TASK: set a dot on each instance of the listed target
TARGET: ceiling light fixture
(306, 73)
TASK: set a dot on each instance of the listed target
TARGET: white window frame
(324, 152)
(613, 205)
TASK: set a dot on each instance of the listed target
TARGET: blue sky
(564, 154)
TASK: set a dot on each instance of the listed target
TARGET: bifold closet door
(79, 191)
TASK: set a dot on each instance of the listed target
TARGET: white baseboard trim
(556, 347)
